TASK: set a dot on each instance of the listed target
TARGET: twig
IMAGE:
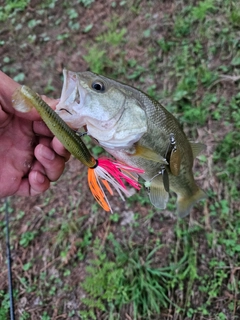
(128, 317)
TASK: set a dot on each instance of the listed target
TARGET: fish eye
(98, 86)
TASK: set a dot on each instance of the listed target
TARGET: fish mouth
(71, 93)
(72, 97)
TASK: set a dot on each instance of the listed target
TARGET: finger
(38, 180)
(56, 145)
(39, 127)
(59, 149)
(52, 163)
(36, 183)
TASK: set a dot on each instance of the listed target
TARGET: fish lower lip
(63, 109)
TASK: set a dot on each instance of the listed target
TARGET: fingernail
(47, 153)
(39, 177)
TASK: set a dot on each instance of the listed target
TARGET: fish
(136, 130)
(101, 172)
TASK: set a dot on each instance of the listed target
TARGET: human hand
(30, 157)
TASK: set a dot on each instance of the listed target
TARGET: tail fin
(185, 204)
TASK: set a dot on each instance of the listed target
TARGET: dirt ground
(37, 46)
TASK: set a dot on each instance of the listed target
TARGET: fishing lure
(103, 173)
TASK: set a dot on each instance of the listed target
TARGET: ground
(72, 260)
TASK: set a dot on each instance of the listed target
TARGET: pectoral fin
(148, 154)
(158, 195)
(197, 147)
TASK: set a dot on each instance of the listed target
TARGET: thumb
(7, 88)
(33, 114)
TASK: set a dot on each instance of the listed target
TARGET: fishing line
(9, 262)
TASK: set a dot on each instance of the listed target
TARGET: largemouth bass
(136, 130)
(101, 171)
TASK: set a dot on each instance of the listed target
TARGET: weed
(140, 197)
(73, 24)
(45, 316)
(96, 59)
(88, 28)
(49, 88)
(27, 266)
(234, 15)
(11, 8)
(19, 77)
(109, 41)
(63, 36)
(200, 12)
(114, 217)
(136, 73)
(112, 37)
(147, 286)
(86, 3)
(4, 307)
(129, 279)
(25, 316)
(27, 237)
(227, 151)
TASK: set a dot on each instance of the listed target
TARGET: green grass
(156, 265)
(11, 8)
(128, 280)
